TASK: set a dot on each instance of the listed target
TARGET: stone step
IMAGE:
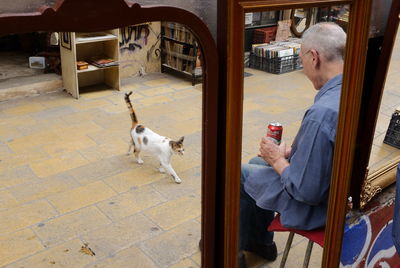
(29, 86)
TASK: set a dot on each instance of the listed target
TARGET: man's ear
(316, 60)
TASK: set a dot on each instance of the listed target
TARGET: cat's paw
(140, 161)
(161, 169)
(177, 180)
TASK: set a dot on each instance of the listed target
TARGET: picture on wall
(66, 40)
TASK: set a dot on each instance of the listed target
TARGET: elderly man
(295, 181)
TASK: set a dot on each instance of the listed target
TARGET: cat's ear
(181, 140)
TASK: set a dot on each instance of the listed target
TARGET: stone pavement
(65, 179)
(67, 185)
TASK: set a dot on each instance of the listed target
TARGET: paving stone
(7, 200)
(190, 186)
(25, 109)
(187, 127)
(109, 136)
(45, 187)
(27, 143)
(155, 91)
(58, 164)
(90, 104)
(15, 175)
(67, 254)
(100, 169)
(188, 161)
(108, 120)
(155, 100)
(56, 99)
(126, 204)
(174, 245)
(69, 145)
(105, 151)
(68, 226)
(185, 263)
(183, 94)
(25, 215)
(39, 125)
(138, 176)
(17, 160)
(81, 196)
(131, 257)
(108, 240)
(83, 116)
(15, 246)
(196, 257)
(156, 82)
(114, 109)
(172, 213)
(53, 113)
(73, 131)
(9, 133)
(127, 85)
(95, 94)
(181, 85)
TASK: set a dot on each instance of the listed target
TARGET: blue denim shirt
(300, 195)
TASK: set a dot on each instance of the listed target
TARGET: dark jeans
(254, 220)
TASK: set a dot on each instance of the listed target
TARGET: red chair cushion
(316, 235)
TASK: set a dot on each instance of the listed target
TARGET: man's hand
(274, 154)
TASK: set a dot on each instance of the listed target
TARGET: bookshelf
(179, 51)
(90, 47)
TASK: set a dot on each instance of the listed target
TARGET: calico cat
(144, 139)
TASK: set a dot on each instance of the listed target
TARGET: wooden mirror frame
(87, 16)
(352, 87)
(293, 26)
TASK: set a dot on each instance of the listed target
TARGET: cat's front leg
(129, 148)
(161, 169)
(171, 172)
(137, 155)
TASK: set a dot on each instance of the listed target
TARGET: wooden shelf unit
(179, 50)
(82, 47)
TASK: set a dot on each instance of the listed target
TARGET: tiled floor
(66, 182)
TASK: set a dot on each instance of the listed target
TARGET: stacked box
(276, 57)
(264, 35)
(392, 136)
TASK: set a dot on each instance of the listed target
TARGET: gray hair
(327, 38)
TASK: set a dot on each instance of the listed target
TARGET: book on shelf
(102, 62)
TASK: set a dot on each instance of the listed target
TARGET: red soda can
(274, 131)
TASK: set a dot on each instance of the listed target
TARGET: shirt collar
(333, 82)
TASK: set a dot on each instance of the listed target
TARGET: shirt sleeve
(307, 178)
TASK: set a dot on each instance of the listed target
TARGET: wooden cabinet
(180, 51)
(89, 47)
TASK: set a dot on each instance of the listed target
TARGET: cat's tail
(131, 110)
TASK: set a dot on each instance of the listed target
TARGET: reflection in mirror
(282, 87)
(65, 130)
(385, 152)
(301, 20)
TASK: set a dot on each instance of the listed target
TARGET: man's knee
(257, 161)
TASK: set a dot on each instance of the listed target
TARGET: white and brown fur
(144, 139)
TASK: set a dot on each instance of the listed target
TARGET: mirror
(64, 169)
(301, 20)
(385, 154)
(276, 90)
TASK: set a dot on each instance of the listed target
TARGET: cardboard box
(82, 65)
